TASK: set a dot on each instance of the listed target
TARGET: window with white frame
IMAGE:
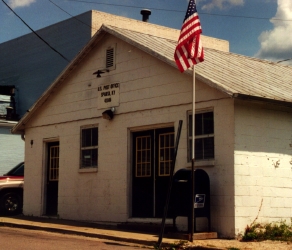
(89, 147)
(204, 135)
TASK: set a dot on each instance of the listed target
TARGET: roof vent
(109, 58)
(145, 15)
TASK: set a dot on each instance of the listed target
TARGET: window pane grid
(143, 156)
(204, 136)
(89, 147)
(166, 147)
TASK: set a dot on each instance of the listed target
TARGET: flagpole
(188, 52)
(193, 156)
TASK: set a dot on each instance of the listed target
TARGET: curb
(79, 232)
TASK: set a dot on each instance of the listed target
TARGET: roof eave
(262, 99)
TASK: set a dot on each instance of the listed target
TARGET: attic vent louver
(110, 58)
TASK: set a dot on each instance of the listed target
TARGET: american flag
(189, 50)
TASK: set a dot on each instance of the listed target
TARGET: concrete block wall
(76, 105)
(156, 96)
(93, 195)
(263, 154)
(34, 173)
(221, 171)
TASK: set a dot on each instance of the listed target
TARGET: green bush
(268, 231)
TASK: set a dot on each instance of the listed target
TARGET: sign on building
(108, 95)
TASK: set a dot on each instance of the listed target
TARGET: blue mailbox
(181, 196)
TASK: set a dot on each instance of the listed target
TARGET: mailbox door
(152, 151)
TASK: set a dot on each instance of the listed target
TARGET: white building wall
(263, 159)
(222, 173)
(11, 149)
(151, 94)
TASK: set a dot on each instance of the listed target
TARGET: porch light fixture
(108, 114)
(100, 71)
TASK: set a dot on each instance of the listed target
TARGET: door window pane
(143, 156)
(54, 163)
(166, 147)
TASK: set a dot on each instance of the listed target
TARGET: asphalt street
(24, 239)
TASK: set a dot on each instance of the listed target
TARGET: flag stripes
(189, 50)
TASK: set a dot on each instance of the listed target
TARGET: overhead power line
(284, 60)
(35, 32)
(71, 15)
(183, 11)
(121, 5)
(134, 7)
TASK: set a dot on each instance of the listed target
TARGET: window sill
(204, 163)
(87, 170)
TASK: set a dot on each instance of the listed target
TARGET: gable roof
(236, 75)
(231, 73)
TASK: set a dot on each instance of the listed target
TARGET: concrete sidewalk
(114, 233)
(96, 230)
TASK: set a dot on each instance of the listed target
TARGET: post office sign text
(108, 95)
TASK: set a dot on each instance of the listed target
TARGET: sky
(255, 28)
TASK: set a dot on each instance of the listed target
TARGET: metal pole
(193, 157)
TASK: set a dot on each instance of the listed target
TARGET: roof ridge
(162, 37)
(135, 20)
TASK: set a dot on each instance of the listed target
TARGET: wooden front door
(52, 178)
(151, 170)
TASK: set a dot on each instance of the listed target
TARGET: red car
(11, 191)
